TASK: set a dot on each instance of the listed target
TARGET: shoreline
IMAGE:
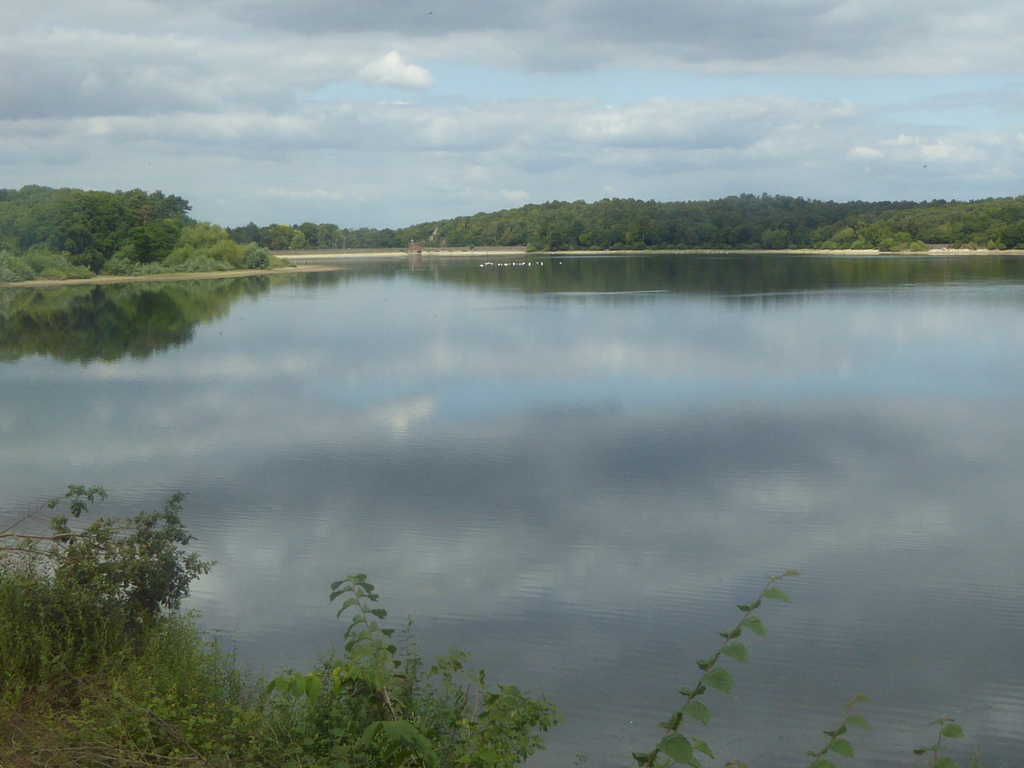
(330, 260)
(470, 253)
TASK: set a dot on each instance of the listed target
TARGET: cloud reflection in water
(577, 491)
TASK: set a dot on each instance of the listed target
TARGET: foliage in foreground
(101, 670)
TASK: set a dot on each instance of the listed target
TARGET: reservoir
(574, 468)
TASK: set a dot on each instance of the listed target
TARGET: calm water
(574, 469)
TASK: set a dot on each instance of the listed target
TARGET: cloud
(391, 71)
(848, 36)
(242, 106)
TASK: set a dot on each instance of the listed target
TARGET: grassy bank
(101, 669)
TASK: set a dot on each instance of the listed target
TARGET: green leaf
(370, 733)
(921, 751)
(755, 625)
(719, 679)
(841, 747)
(952, 731)
(314, 686)
(737, 651)
(701, 746)
(776, 594)
(685, 691)
(676, 746)
(791, 572)
(672, 723)
(945, 762)
(405, 734)
(744, 608)
(697, 711)
(859, 721)
(641, 758)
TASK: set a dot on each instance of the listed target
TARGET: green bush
(72, 600)
(13, 269)
(39, 263)
(205, 244)
(256, 257)
(121, 264)
(49, 265)
(374, 705)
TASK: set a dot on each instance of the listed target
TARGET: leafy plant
(949, 729)
(674, 747)
(374, 707)
(836, 743)
(71, 600)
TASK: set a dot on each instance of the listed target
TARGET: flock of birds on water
(513, 264)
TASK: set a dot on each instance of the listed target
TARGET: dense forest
(68, 233)
(744, 222)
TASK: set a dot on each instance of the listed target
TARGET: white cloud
(391, 71)
(214, 101)
(866, 153)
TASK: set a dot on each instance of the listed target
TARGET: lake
(574, 469)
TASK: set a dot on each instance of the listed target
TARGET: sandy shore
(106, 279)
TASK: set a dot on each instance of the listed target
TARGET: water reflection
(92, 322)
(83, 323)
(719, 274)
(579, 491)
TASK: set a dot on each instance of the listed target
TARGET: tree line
(64, 233)
(740, 222)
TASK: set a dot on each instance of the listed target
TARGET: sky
(385, 113)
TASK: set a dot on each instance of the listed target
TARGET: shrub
(207, 243)
(256, 257)
(13, 269)
(120, 264)
(374, 706)
(70, 601)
